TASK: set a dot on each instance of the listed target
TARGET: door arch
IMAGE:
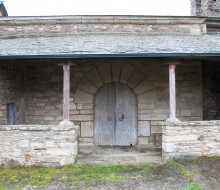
(115, 115)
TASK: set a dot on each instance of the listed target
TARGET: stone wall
(148, 78)
(11, 85)
(211, 90)
(195, 7)
(205, 8)
(48, 145)
(43, 93)
(190, 139)
(35, 26)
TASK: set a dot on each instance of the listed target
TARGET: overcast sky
(97, 7)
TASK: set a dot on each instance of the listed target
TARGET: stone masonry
(211, 90)
(58, 26)
(149, 80)
(42, 93)
(190, 139)
(207, 8)
(50, 145)
(11, 87)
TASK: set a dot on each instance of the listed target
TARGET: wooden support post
(66, 91)
(172, 86)
(66, 88)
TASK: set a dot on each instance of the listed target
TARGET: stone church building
(118, 81)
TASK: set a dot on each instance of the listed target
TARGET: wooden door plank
(126, 126)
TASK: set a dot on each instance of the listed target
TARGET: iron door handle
(121, 118)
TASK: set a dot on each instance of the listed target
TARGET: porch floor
(93, 155)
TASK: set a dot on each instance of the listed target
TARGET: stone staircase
(92, 155)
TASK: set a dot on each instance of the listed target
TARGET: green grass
(193, 186)
(2, 187)
(73, 173)
(15, 177)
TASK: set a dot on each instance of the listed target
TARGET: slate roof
(110, 44)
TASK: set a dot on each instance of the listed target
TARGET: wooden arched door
(115, 115)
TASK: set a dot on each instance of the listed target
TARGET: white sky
(97, 7)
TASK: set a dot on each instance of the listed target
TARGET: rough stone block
(159, 111)
(23, 143)
(81, 117)
(94, 76)
(89, 112)
(144, 128)
(48, 118)
(180, 138)
(87, 86)
(85, 106)
(83, 97)
(149, 117)
(143, 141)
(186, 113)
(105, 71)
(57, 152)
(147, 97)
(86, 140)
(72, 106)
(50, 144)
(169, 147)
(126, 72)
(135, 79)
(87, 129)
(144, 86)
(156, 129)
(68, 145)
(116, 68)
(55, 79)
(36, 145)
(67, 160)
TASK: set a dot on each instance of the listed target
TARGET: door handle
(109, 118)
(121, 118)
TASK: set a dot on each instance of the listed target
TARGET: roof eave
(117, 55)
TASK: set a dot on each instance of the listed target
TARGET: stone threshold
(93, 155)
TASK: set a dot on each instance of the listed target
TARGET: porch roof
(111, 44)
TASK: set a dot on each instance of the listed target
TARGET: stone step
(118, 155)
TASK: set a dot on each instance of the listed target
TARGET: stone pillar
(172, 86)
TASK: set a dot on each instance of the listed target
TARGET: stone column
(172, 86)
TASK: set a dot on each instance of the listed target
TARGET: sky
(97, 7)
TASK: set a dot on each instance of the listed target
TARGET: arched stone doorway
(115, 115)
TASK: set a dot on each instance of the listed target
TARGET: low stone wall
(50, 145)
(190, 139)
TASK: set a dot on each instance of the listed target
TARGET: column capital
(171, 62)
(66, 62)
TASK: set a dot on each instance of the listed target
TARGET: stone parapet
(50, 145)
(101, 20)
(67, 25)
(190, 139)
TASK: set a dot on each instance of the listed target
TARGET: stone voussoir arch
(130, 74)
